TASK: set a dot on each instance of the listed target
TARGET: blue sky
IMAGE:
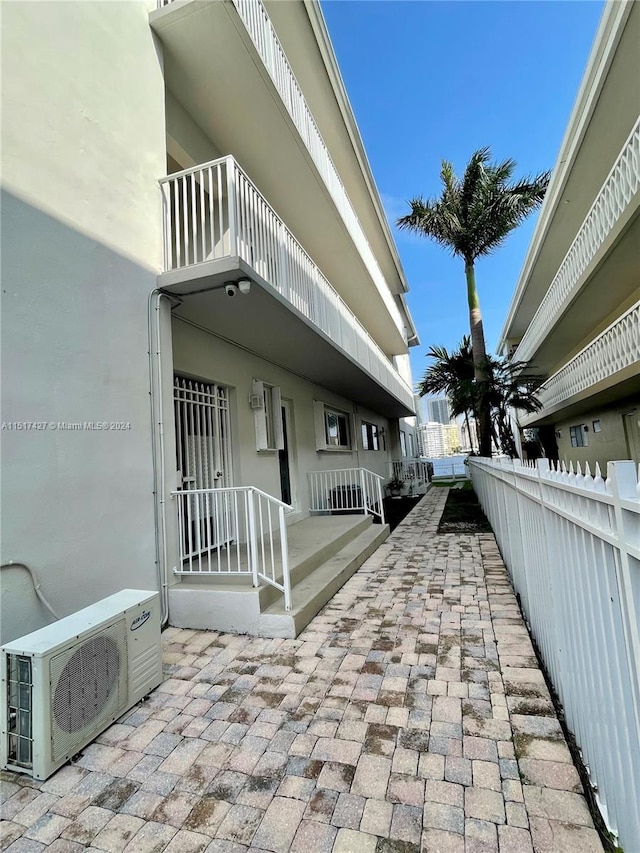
(431, 80)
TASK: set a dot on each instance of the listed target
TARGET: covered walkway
(410, 715)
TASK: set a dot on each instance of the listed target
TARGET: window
(266, 402)
(578, 436)
(370, 436)
(332, 428)
(336, 429)
(596, 426)
(403, 443)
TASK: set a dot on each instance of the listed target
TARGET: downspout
(157, 448)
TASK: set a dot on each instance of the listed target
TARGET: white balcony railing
(413, 472)
(234, 531)
(615, 349)
(571, 543)
(214, 211)
(346, 490)
(256, 19)
(616, 194)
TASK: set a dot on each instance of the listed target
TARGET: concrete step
(323, 553)
(311, 543)
(311, 594)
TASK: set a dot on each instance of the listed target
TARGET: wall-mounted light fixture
(244, 286)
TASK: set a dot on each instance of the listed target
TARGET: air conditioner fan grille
(89, 685)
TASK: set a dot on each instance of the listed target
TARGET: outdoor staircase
(324, 552)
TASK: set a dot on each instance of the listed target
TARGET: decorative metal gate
(203, 449)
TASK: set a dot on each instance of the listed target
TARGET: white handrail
(213, 211)
(234, 531)
(616, 194)
(613, 350)
(410, 470)
(346, 490)
(255, 18)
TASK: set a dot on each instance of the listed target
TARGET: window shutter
(318, 422)
(260, 417)
(278, 432)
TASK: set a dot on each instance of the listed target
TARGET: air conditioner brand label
(139, 621)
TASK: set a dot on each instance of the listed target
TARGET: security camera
(231, 289)
(244, 286)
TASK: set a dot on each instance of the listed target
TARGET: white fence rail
(617, 192)
(444, 468)
(234, 531)
(615, 349)
(413, 472)
(571, 542)
(214, 211)
(346, 490)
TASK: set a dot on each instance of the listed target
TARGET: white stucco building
(575, 314)
(201, 294)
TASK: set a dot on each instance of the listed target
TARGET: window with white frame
(332, 427)
(266, 402)
(578, 436)
(403, 443)
(370, 436)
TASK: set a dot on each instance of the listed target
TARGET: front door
(284, 455)
(203, 450)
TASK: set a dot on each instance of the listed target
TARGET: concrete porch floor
(410, 715)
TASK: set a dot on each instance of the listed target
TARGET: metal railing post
(252, 544)
(380, 500)
(286, 581)
(232, 205)
(363, 488)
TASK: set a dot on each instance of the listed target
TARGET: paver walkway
(409, 716)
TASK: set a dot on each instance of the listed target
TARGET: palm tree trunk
(466, 418)
(479, 357)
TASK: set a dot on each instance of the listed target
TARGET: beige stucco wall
(608, 445)
(83, 144)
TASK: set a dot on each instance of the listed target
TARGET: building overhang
(213, 69)
(263, 322)
(604, 113)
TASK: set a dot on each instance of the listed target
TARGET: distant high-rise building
(438, 410)
(431, 438)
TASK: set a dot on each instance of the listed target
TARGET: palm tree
(507, 389)
(452, 374)
(472, 218)
(503, 387)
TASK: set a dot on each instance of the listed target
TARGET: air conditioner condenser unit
(65, 684)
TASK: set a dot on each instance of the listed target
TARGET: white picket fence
(571, 542)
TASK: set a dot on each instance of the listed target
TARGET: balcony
(219, 228)
(611, 359)
(224, 64)
(611, 212)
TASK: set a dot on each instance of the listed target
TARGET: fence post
(623, 485)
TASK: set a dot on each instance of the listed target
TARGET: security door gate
(203, 448)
